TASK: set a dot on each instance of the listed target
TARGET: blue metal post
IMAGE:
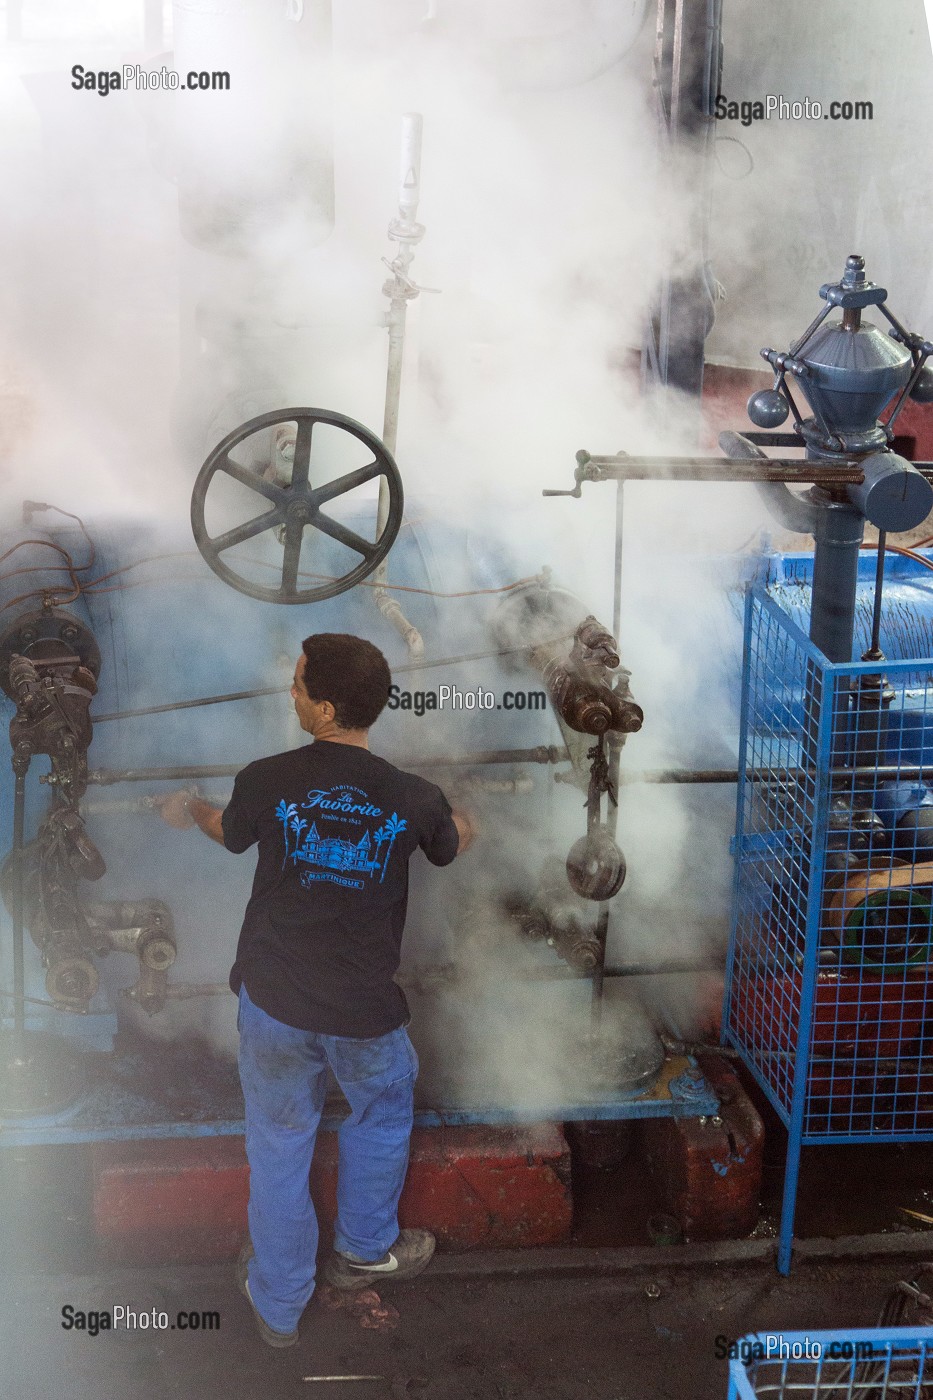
(739, 811)
(795, 1129)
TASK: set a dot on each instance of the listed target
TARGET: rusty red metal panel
(183, 1200)
(175, 1200)
(475, 1187)
(709, 1172)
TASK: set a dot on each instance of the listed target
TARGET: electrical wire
(92, 552)
(908, 552)
(327, 578)
(91, 587)
(73, 570)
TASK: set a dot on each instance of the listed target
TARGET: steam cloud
(130, 350)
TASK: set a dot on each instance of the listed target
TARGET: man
(314, 973)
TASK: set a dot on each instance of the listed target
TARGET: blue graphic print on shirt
(339, 858)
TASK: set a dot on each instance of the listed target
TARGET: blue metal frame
(829, 987)
(134, 1116)
(886, 1363)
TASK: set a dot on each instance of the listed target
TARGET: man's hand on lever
(185, 809)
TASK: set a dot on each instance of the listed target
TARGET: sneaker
(268, 1334)
(407, 1258)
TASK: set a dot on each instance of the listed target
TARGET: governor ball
(922, 392)
(768, 408)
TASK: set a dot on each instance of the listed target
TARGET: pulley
(72, 982)
(295, 505)
(53, 640)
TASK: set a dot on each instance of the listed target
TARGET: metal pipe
(431, 980)
(907, 772)
(840, 528)
(615, 754)
(192, 704)
(793, 512)
(872, 694)
(182, 991)
(106, 777)
(421, 665)
(407, 233)
(617, 570)
(19, 972)
(674, 969)
(686, 775)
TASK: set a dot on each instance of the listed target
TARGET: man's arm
(182, 810)
(466, 829)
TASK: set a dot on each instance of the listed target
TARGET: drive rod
(757, 470)
(907, 772)
(788, 469)
(258, 691)
(543, 754)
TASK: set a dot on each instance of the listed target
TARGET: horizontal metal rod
(192, 704)
(902, 772)
(106, 777)
(671, 969)
(682, 775)
(544, 754)
(428, 982)
(422, 665)
(787, 469)
(899, 771)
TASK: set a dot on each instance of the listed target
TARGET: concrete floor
(463, 1330)
(574, 1324)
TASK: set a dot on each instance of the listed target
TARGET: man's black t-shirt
(321, 939)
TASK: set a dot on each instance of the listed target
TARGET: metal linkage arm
(751, 466)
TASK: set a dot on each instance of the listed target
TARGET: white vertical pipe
(406, 232)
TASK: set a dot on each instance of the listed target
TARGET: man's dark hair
(349, 672)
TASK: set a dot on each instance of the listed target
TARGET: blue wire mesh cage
(829, 996)
(893, 1363)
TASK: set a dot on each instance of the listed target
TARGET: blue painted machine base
(207, 1102)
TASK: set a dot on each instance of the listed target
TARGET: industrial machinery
(177, 913)
(52, 684)
(828, 995)
(130, 669)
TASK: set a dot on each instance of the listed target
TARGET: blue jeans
(284, 1076)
